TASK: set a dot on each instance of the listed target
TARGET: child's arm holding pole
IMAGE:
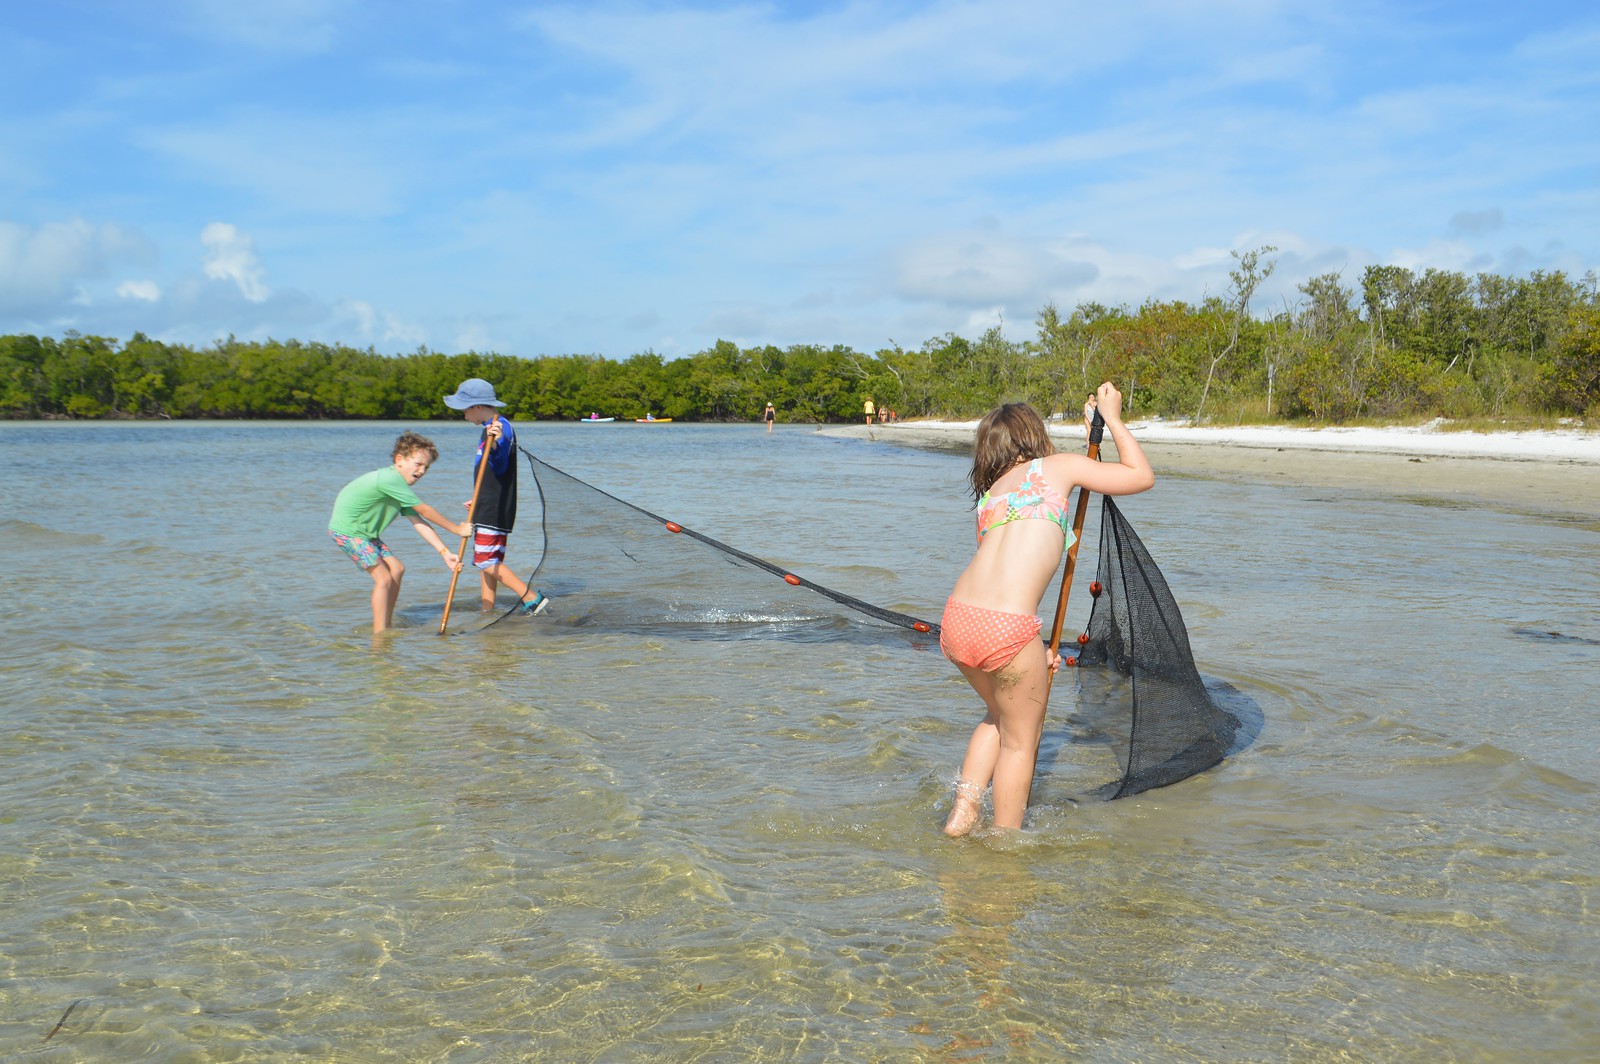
(423, 514)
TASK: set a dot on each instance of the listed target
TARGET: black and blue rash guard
(496, 504)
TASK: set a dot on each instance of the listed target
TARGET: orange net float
(673, 526)
(1095, 588)
(922, 626)
(1070, 662)
(1083, 639)
(791, 578)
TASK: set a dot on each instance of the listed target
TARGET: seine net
(653, 575)
(614, 566)
(1173, 728)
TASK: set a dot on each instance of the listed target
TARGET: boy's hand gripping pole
(1096, 431)
(483, 463)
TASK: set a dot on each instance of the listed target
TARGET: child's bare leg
(385, 591)
(489, 588)
(514, 584)
(1020, 708)
(983, 750)
(1004, 745)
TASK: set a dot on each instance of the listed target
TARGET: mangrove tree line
(1398, 344)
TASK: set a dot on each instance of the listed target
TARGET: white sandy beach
(1571, 445)
(1548, 472)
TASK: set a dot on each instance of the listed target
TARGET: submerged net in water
(1174, 727)
(611, 565)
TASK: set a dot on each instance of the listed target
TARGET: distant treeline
(1401, 345)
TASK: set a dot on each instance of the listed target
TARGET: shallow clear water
(236, 828)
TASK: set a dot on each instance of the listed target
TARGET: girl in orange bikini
(991, 628)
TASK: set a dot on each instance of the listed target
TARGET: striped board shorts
(488, 546)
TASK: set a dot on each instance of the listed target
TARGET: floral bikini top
(1034, 498)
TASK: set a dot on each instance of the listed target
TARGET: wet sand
(1555, 474)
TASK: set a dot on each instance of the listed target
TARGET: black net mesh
(612, 565)
(1174, 727)
(624, 573)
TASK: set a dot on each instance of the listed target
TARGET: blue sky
(617, 178)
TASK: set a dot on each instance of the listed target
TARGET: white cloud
(984, 268)
(374, 326)
(52, 263)
(362, 313)
(1202, 258)
(148, 291)
(230, 256)
(473, 337)
(1438, 254)
(403, 334)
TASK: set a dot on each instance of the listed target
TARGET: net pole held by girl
(1096, 433)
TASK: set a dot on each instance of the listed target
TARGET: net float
(791, 578)
(673, 526)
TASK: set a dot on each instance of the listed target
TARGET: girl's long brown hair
(1007, 435)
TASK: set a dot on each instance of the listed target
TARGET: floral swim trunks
(367, 553)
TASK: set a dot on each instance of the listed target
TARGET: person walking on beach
(990, 629)
(769, 415)
(494, 508)
(867, 409)
(367, 505)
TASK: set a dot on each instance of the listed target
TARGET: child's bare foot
(965, 809)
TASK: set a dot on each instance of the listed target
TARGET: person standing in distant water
(494, 509)
(866, 408)
(990, 629)
(769, 415)
(369, 504)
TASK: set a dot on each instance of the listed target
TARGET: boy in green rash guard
(368, 504)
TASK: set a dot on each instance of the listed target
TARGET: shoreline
(1545, 474)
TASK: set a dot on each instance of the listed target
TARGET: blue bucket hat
(474, 391)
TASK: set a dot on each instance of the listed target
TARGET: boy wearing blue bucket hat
(494, 509)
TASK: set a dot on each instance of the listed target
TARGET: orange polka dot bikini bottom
(983, 639)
